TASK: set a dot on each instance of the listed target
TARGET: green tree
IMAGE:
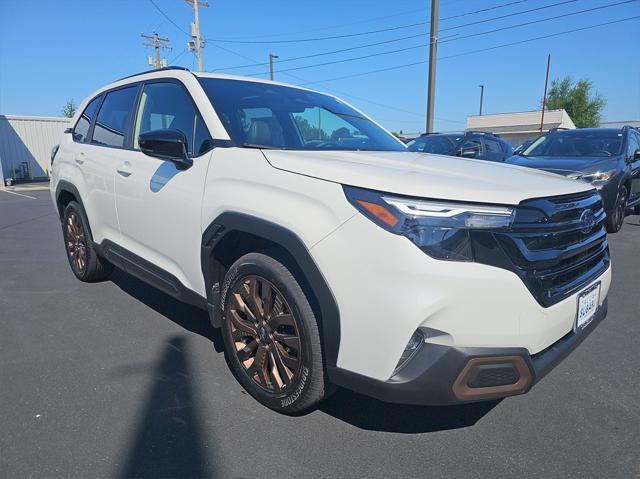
(583, 106)
(69, 109)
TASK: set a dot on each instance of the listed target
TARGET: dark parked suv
(608, 158)
(471, 144)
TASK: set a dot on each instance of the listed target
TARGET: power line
(406, 65)
(508, 15)
(169, 18)
(423, 45)
(399, 27)
(483, 10)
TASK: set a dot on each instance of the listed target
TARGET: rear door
(98, 154)
(159, 205)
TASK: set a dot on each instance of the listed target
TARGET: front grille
(550, 248)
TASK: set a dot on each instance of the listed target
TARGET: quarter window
(113, 118)
(492, 146)
(169, 106)
(84, 122)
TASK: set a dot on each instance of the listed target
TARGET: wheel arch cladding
(231, 235)
(65, 193)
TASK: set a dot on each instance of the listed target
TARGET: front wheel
(615, 221)
(272, 340)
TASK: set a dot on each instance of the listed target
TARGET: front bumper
(440, 375)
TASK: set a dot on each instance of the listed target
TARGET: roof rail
(558, 128)
(154, 70)
(489, 133)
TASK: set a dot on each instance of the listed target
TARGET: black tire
(307, 384)
(615, 220)
(85, 263)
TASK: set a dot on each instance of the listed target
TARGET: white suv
(326, 252)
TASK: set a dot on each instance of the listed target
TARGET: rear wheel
(83, 259)
(272, 341)
(616, 219)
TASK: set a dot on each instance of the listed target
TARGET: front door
(158, 204)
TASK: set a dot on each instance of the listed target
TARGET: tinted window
(472, 144)
(439, 144)
(111, 125)
(577, 143)
(492, 146)
(202, 141)
(634, 144)
(276, 116)
(169, 106)
(82, 127)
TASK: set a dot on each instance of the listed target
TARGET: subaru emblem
(588, 220)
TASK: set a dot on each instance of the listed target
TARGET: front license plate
(588, 302)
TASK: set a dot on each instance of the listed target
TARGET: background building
(520, 126)
(25, 146)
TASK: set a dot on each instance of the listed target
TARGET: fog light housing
(413, 346)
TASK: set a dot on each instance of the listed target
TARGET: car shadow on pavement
(189, 317)
(367, 413)
(168, 440)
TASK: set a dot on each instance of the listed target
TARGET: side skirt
(149, 273)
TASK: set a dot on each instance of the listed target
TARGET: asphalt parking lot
(116, 380)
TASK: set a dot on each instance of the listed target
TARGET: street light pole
(433, 52)
(271, 57)
(481, 97)
(544, 97)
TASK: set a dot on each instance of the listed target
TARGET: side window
(82, 127)
(492, 146)
(474, 144)
(633, 144)
(202, 141)
(169, 106)
(113, 118)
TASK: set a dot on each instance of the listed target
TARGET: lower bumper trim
(440, 375)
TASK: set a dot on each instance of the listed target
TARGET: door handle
(79, 158)
(124, 169)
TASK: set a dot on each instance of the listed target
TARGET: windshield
(265, 115)
(577, 143)
(438, 144)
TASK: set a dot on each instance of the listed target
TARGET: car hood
(426, 175)
(561, 165)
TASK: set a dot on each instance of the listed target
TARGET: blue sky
(51, 51)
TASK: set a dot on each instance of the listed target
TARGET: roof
(520, 122)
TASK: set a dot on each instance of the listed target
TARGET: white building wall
(25, 145)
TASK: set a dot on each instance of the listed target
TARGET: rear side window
(113, 118)
(81, 129)
(169, 106)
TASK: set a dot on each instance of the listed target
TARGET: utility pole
(271, 57)
(433, 52)
(158, 43)
(544, 97)
(195, 29)
(481, 97)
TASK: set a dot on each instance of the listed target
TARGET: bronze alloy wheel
(75, 240)
(265, 334)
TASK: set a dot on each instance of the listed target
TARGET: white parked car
(326, 252)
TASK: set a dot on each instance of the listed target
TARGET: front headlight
(442, 229)
(599, 176)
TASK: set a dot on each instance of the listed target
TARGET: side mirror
(168, 144)
(636, 155)
(468, 152)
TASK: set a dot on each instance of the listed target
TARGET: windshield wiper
(262, 147)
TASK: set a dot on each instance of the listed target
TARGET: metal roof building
(25, 145)
(520, 126)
